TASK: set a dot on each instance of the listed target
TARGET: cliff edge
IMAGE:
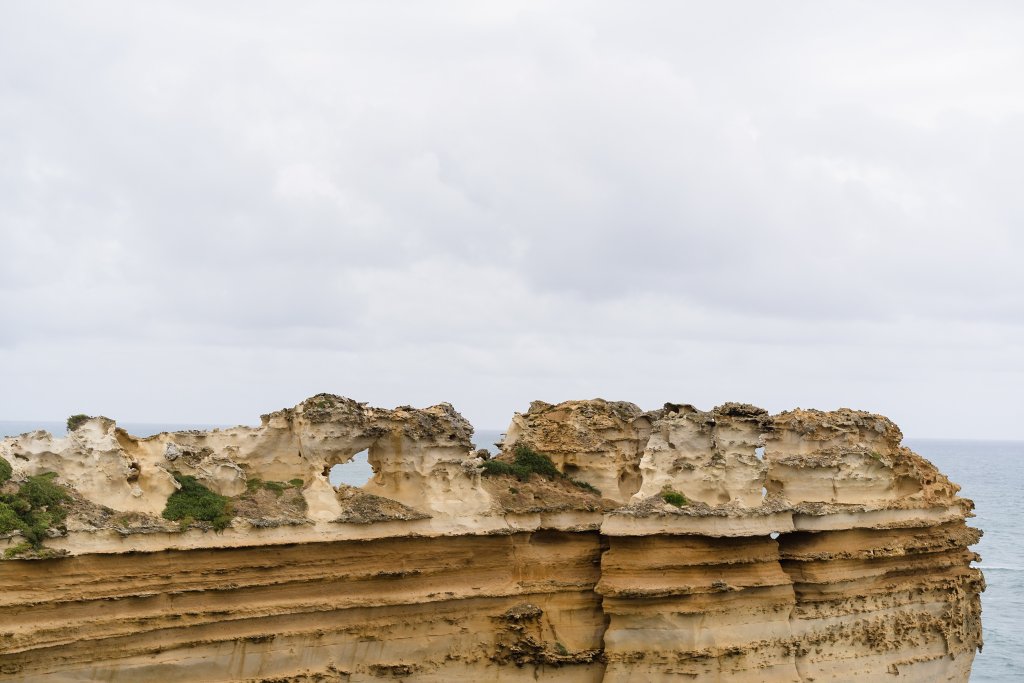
(604, 543)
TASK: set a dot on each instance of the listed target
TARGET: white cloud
(210, 211)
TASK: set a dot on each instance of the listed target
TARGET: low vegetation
(76, 421)
(5, 471)
(37, 507)
(9, 519)
(526, 462)
(278, 487)
(674, 498)
(586, 486)
(38, 553)
(17, 549)
(194, 502)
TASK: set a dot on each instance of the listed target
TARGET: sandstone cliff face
(727, 544)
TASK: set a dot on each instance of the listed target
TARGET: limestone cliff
(604, 543)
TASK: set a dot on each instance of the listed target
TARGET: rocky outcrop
(675, 544)
(420, 457)
(712, 456)
(598, 441)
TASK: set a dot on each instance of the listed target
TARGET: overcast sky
(212, 210)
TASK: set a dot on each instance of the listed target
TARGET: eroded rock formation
(674, 544)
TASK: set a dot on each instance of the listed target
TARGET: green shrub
(9, 519)
(199, 503)
(40, 491)
(5, 471)
(297, 483)
(277, 487)
(16, 503)
(527, 462)
(496, 467)
(674, 498)
(586, 486)
(16, 550)
(36, 508)
(76, 421)
(38, 522)
(532, 461)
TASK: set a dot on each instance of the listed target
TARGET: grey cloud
(586, 198)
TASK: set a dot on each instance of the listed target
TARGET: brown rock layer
(723, 545)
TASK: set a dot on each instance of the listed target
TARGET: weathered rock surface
(596, 441)
(727, 544)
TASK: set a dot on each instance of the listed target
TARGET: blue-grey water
(990, 472)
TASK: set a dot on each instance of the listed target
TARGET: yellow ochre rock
(604, 543)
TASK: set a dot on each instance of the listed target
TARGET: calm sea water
(990, 472)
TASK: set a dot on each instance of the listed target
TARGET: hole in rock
(764, 492)
(355, 472)
(488, 439)
(774, 534)
(759, 452)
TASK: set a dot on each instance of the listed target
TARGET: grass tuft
(674, 498)
(497, 467)
(527, 462)
(37, 507)
(278, 487)
(9, 519)
(534, 462)
(76, 421)
(195, 502)
(586, 486)
(19, 549)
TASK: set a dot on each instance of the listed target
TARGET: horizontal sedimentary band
(604, 543)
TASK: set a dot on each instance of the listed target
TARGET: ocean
(991, 473)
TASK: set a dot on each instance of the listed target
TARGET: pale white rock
(710, 457)
(93, 459)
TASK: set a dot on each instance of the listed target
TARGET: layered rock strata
(674, 544)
